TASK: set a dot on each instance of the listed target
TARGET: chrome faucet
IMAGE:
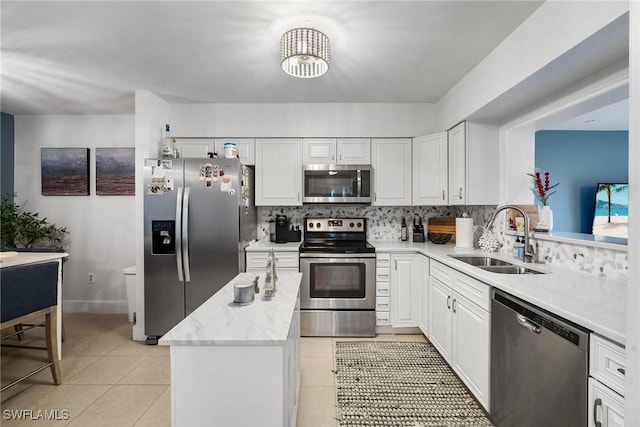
(528, 248)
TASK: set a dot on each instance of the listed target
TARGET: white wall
(301, 120)
(101, 227)
(553, 29)
(632, 385)
(152, 113)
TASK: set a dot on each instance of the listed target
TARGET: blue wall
(6, 154)
(579, 160)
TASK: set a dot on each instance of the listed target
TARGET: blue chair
(27, 292)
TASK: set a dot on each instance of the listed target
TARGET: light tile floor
(111, 380)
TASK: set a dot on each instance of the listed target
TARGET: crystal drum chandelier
(304, 52)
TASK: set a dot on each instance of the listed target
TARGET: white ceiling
(610, 117)
(89, 56)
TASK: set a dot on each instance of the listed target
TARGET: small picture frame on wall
(65, 171)
(115, 172)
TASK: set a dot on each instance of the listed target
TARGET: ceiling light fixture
(304, 52)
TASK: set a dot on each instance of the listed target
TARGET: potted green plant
(21, 229)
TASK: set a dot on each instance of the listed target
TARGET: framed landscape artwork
(65, 171)
(115, 172)
(611, 215)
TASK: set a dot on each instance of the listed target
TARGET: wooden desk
(25, 258)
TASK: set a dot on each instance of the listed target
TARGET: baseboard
(397, 331)
(74, 306)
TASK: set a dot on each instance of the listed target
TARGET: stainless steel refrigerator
(199, 215)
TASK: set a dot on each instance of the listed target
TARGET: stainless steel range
(337, 295)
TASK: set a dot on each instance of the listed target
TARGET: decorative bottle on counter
(518, 248)
(271, 277)
(403, 230)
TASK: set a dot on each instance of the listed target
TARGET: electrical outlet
(91, 278)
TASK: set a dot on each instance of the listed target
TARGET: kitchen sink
(509, 269)
(481, 261)
(494, 265)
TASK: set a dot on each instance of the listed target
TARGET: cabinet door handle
(340, 156)
(460, 193)
(598, 402)
(449, 302)
(333, 155)
(442, 194)
(453, 306)
(621, 370)
(395, 264)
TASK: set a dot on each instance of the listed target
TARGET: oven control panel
(335, 224)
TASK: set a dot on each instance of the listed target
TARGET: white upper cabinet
(278, 172)
(319, 150)
(430, 170)
(474, 164)
(201, 147)
(355, 151)
(457, 165)
(191, 148)
(246, 149)
(391, 162)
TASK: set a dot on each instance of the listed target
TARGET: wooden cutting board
(442, 225)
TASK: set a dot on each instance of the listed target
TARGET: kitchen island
(238, 365)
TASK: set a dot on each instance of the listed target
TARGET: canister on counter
(230, 150)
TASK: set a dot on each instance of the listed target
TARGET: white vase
(545, 218)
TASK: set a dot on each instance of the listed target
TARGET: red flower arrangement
(541, 186)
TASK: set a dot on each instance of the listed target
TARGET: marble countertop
(218, 321)
(10, 259)
(595, 303)
(261, 246)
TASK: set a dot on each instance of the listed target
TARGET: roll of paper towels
(464, 232)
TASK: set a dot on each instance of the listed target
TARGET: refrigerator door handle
(185, 234)
(179, 233)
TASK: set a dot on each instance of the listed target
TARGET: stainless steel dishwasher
(539, 366)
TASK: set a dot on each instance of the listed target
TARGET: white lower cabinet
(606, 407)
(285, 260)
(383, 289)
(607, 369)
(459, 328)
(423, 285)
(471, 337)
(440, 321)
(404, 299)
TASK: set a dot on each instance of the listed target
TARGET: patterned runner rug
(384, 383)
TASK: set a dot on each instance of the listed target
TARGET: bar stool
(27, 292)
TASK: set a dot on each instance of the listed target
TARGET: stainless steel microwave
(341, 184)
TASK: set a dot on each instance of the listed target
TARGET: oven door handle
(355, 255)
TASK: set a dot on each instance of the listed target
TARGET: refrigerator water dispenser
(163, 237)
